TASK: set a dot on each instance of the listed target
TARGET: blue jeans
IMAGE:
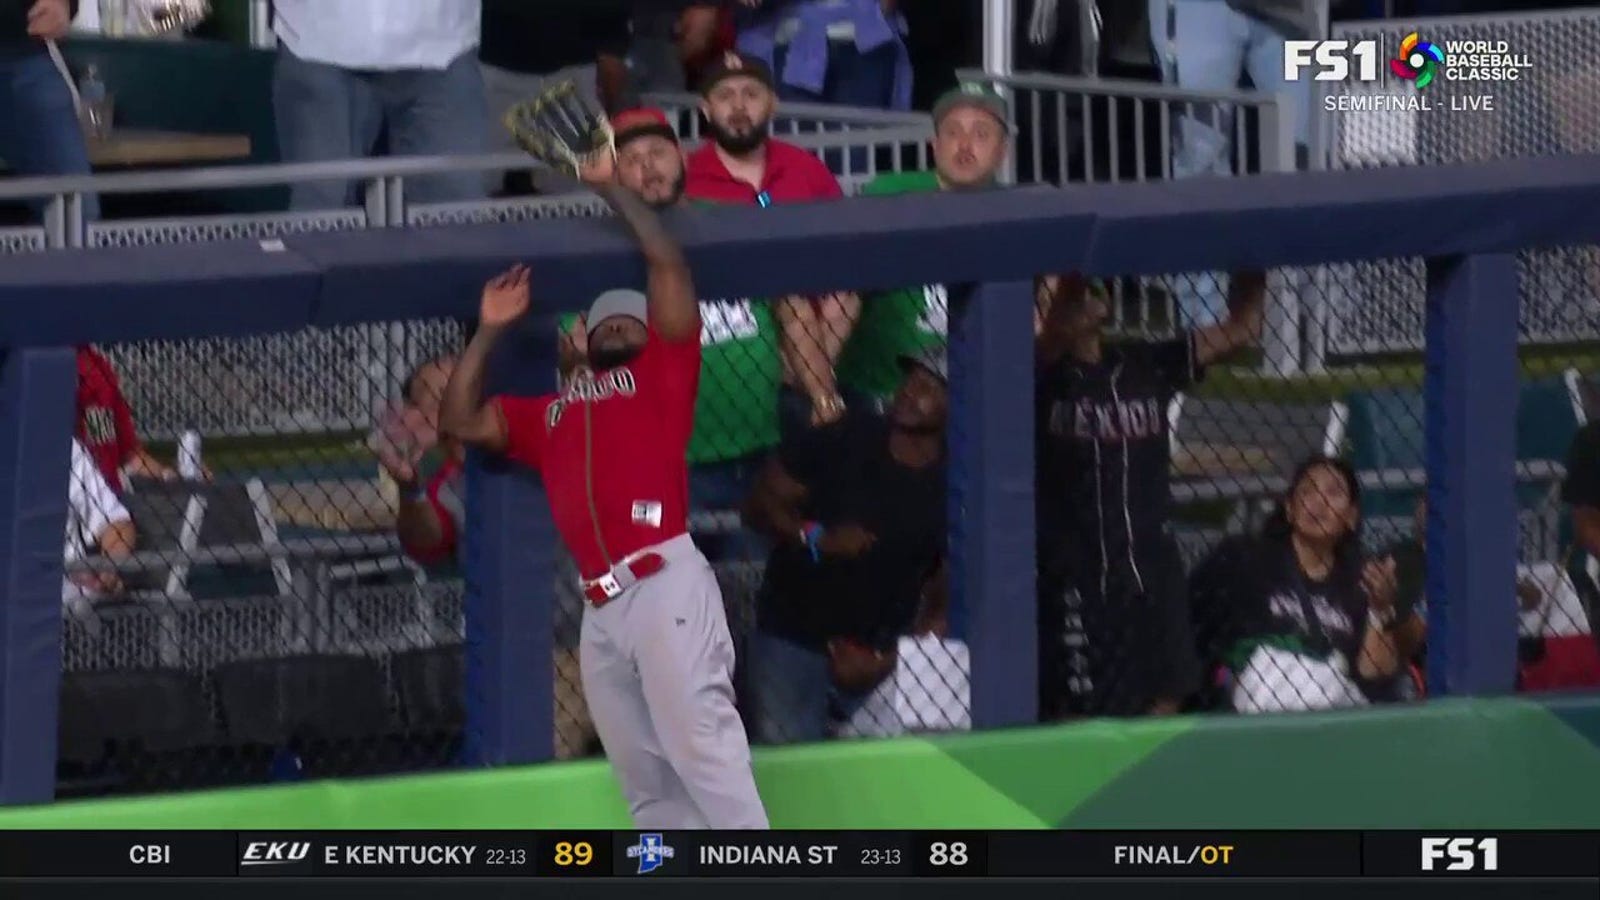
(723, 487)
(1207, 45)
(39, 130)
(789, 691)
(854, 79)
(328, 113)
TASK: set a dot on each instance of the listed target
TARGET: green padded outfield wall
(1502, 763)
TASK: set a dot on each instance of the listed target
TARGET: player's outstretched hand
(846, 541)
(505, 297)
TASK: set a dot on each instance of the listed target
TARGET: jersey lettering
(587, 388)
(1128, 420)
(935, 317)
(1332, 619)
(722, 321)
(99, 426)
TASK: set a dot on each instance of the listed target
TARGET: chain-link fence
(1073, 130)
(1201, 526)
(1215, 538)
(283, 608)
(1557, 587)
(1547, 109)
(239, 610)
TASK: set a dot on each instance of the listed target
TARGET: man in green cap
(972, 128)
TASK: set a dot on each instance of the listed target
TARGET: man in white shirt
(353, 70)
(96, 520)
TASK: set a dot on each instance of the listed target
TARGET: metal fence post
(55, 222)
(1282, 341)
(998, 39)
(992, 566)
(1471, 425)
(36, 387)
(511, 569)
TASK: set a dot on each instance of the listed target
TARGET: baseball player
(655, 652)
(1114, 624)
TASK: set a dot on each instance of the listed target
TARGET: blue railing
(1466, 221)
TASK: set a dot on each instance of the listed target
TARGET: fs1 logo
(1463, 853)
(1332, 59)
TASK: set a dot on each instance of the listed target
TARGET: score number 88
(569, 853)
(951, 854)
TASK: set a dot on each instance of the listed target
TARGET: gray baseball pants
(657, 663)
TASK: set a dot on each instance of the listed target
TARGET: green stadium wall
(1487, 763)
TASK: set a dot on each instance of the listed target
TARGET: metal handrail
(1119, 87)
(1423, 23)
(820, 112)
(271, 174)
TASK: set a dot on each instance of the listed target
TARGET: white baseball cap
(618, 302)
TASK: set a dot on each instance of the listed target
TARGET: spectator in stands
(1581, 490)
(1305, 621)
(858, 517)
(353, 71)
(1114, 615)
(671, 41)
(97, 522)
(850, 52)
(105, 425)
(432, 517)
(39, 129)
(1411, 605)
(971, 131)
(1207, 45)
(528, 47)
(930, 688)
(432, 506)
(742, 163)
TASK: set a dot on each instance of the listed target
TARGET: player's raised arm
(464, 412)
(673, 308)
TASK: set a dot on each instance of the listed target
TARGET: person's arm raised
(463, 410)
(674, 309)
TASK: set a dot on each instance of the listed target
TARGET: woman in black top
(1295, 614)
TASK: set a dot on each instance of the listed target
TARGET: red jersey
(792, 175)
(105, 422)
(620, 437)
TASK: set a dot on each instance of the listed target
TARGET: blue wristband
(813, 536)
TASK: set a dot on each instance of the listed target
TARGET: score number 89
(951, 854)
(569, 853)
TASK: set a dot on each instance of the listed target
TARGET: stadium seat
(187, 519)
(278, 701)
(131, 729)
(1386, 435)
(431, 686)
(1285, 433)
(154, 710)
(1245, 442)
